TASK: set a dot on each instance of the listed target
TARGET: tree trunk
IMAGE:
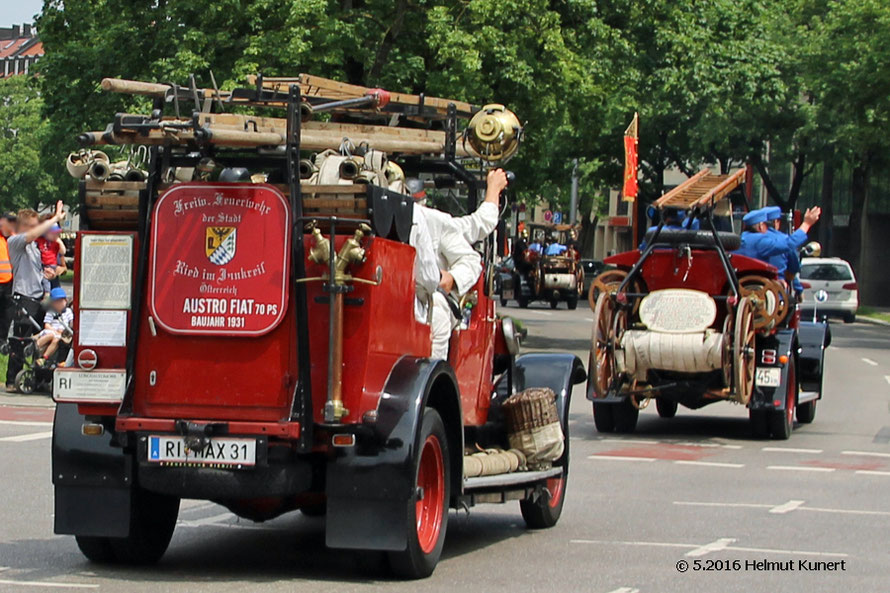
(588, 234)
(826, 222)
(859, 195)
(796, 180)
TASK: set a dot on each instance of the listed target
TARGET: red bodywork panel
(248, 378)
(666, 269)
(376, 333)
(472, 356)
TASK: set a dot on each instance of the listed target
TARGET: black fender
(93, 479)
(370, 486)
(784, 342)
(559, 371)
(814, 337)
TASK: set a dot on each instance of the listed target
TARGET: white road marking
(21, 438)
(590, 319)
(800, 468)
(791, 505)
(215, 519)
(653, 544)
(790, 552)
(620, 458)
(789, 450)
(745, 505)
(846, 511)
(25, 423)
(631, 441)
(48, 584)
(714, 546)
(870, 472)
(625, 590)
(709, 463)
(887, 378)
(866, 453)
(869, 361)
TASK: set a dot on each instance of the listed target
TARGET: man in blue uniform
(788, 263)
(773, 247)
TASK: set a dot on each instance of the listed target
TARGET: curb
(865, 319)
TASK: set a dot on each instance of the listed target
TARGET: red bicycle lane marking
(663, 452)
(863, 465)
(26, 414)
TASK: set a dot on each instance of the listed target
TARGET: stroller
(33, 376)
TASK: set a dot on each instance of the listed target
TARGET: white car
(835, 277)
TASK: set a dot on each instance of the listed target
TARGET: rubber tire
(314, 510)
(781, 422)
(96, 549)
(503, 302)
(523, 302)
(539, 514)
(603, 417)
(667, 408)
(849, 318)
(26, 381)
(152, 520)
(572, 303)
(806, 412)
(554, 303)
(413, 563)
(626, 416)
(759, 423)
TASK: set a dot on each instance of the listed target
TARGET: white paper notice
(102, 328)
(106, 271)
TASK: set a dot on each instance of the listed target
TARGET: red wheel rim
(556, 487)
(431, 507)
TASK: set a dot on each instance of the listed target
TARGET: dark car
(503, 278)
(592, 269)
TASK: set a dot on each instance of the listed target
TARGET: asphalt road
(696, 489)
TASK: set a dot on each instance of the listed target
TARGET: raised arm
(40, 229)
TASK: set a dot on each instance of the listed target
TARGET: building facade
(20, 47)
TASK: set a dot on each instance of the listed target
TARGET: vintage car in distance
(538, 276)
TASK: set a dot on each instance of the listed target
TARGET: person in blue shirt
(788, 263)
(759, 243)
(555, 249)
(674, 220)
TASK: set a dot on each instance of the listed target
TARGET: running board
(512, 479)
(807, 396)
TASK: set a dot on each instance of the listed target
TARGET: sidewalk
(26, 401)
(874, 315)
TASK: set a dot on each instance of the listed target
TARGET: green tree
(23, 131)
(848, 75)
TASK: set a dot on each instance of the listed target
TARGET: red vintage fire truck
(249, 338)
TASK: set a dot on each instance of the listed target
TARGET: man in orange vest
(7, 229)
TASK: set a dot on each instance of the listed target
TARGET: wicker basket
(533, 426)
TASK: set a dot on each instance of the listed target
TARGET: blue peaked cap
(773, 213)
(754, 217)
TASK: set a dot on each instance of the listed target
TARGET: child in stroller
(48, 348)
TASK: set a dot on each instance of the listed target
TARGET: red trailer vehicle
(254, 343)
(684, 321)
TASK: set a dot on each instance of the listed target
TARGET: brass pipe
(335, 379)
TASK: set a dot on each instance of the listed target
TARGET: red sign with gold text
(219, 259)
